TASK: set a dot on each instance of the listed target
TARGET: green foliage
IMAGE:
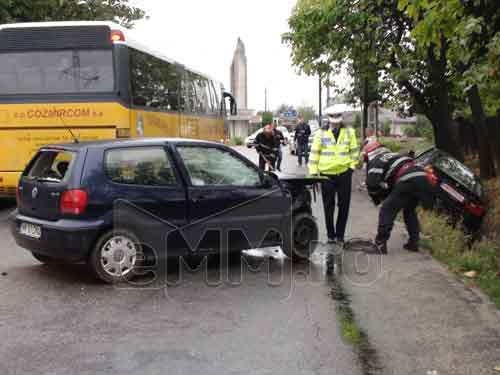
(410, 131)
(69, 10)
(267, 118)
(357, 121)
(471, 33)
(392, 144)
(452, 247)
(236, 141)
(424, 128)
(386, 128)
(307, 112)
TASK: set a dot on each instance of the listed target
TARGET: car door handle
(198, 198)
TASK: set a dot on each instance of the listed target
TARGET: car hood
(299, 179)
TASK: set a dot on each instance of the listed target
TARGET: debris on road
(470, 274)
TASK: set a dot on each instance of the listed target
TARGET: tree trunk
(443, 134)
(485, 158)
(364, 125)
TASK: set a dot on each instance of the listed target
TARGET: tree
(282, 108)
(471, 29)
(267, 118)
(69, 10)
(327, 34)
(307, 112)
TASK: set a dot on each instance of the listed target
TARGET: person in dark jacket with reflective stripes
(400, 184)
(267, 145)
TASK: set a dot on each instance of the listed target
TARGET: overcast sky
(203, 33)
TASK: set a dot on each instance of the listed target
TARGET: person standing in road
(302, 133)
(281, 141)
(396, 180)
(267, 145)
(335, 154)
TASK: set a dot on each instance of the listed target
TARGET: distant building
(239, 125)
(239, 79)
(385, 116)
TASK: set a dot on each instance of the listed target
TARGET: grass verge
(477, 263)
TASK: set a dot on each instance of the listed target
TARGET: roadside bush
(424, 128)
(393, 145)
(386, 128)
(236, 141)
(452, 247)
(410, 131)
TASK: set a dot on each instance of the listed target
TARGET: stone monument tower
(239, 76)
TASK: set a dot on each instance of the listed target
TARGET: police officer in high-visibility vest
(335, 154)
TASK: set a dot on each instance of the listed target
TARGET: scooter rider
(334, 154)
(267, 145)
(302, 133)
(400, 184)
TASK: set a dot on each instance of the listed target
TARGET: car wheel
(115, 256)
(301, 242)
(45, 259)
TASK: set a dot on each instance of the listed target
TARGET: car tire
(301, 242)
(45, 259)
(115, 256)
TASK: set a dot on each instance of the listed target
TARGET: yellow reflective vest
(332, 157)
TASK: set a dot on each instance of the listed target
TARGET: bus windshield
(56, 72)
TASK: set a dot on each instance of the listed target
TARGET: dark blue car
(113, 203)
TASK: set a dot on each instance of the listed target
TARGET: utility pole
(328, 92)
(320, 111)
(265, 99)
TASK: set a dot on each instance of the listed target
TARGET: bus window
(56, 72)
(155, 83)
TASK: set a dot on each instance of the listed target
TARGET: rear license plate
(30, 230)
(451, 191)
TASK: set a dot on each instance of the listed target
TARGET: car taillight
(73, 202)
(474, 209)
(431, 176)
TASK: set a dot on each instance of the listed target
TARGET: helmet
(333, 116)
(370, 145)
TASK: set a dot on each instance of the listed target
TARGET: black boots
(411, 246)
(381, 247)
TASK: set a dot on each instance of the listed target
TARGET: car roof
(132, 142)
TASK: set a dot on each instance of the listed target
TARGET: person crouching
(396, 180)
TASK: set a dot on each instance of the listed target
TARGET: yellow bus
(61, 81)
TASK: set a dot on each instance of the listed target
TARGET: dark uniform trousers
(406, 196)
(302, 151)
(337, 188)
(271, 158)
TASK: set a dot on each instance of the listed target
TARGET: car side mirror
(411, 154)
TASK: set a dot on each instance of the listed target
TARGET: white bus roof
(130, 38)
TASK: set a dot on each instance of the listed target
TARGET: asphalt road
(260, 316)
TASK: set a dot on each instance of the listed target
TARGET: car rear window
(458, 172)
(51, 166)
